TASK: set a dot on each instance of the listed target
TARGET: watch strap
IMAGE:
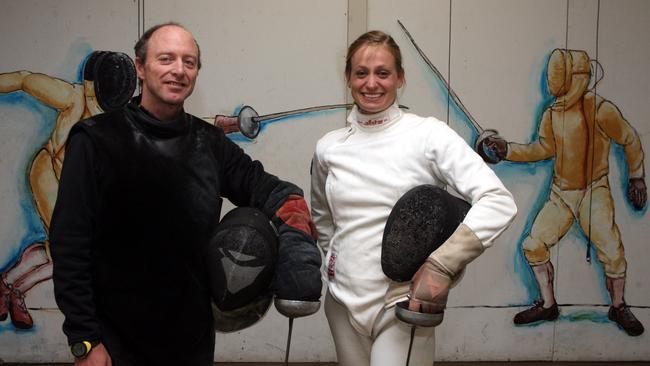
(85, 346)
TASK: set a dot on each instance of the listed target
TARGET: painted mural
(108, 82)
(575, 134)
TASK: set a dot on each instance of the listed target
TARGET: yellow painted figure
(576, 130)
(73, 102)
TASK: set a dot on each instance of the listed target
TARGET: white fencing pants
(388, 345)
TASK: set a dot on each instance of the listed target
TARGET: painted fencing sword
(249, 122)
(483, 133)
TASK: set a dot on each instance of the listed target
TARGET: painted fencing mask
(241, 259)
(567, 75)
(114, 78)
(421, 220)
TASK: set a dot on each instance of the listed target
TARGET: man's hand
(98, 356)
(297, 269)
(637, 192)
(429, 289)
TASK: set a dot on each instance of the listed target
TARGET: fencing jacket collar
(374, 122)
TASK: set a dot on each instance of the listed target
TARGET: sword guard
(417, 318)
(249, 126)
(296, 308)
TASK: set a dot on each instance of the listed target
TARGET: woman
(359, 172)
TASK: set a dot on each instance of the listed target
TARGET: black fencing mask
(421, 220)
(114, 78)
(241, 258)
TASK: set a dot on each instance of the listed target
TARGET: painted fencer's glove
(491, 147)
(229, 124)
(637, 192)
(442, 270)
(297, 274)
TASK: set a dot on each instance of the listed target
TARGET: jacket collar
(377, 121)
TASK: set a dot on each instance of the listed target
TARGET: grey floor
(529, 363)
(464, 364)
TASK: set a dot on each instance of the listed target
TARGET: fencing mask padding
(421, 220)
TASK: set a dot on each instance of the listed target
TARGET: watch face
(78, 349)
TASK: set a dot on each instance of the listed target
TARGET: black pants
(127, 354)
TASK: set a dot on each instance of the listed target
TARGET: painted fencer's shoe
(623, 316)
(536, 313)
(20, 317)
(4, 299)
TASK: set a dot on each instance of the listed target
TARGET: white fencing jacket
(358, 174)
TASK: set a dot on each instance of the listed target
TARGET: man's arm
(71, 241)
(297, 275)
(51, 91)
(541, 149)
(12, 81)
(611, 120)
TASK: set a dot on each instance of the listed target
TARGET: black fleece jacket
(137, 200)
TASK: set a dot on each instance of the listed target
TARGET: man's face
(170, 68)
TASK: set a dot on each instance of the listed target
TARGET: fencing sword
(294, 309)
(415, 319)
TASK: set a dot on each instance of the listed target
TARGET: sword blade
(286, 353)
(408, 355)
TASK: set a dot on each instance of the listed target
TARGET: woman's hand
(429, 289)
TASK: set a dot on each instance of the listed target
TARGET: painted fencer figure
(109, 81)
(576, 131)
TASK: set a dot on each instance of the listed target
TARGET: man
(140, 194)
(576, 131)
(72, 102)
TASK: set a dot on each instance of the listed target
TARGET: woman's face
(373, 78)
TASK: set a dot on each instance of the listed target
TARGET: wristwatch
(82, 348)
